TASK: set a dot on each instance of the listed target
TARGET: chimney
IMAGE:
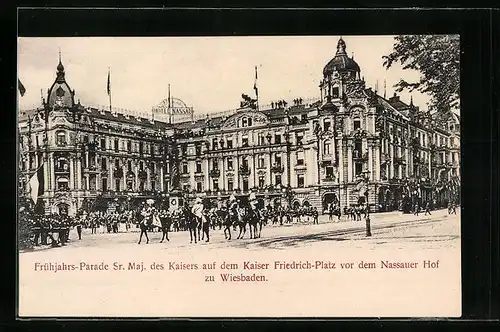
(394, 98)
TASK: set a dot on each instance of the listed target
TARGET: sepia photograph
(242, 176)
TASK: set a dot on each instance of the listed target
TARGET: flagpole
(169, 110)
(109, 89)
(256, 89)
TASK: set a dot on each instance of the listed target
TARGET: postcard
(245, 177)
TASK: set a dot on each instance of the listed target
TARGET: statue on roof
(248, 102)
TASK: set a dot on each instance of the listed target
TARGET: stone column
(162, 187)
(253, 171)
(349, 160)
(111, 169)
(223, 180)
(148, 179)
(391, 170)
(269, 179)
(79, 173)
(46, 171)
(377, 162)
(341, 161)
(206, 169)
(136, 180)
(236, 183)
(52, 175)
(407, 158)
(124, 177)
(71, 173)
(370, 160)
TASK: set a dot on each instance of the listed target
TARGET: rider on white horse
(197, 210)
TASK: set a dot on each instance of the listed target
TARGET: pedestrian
(330, 212)
(427, 208)
(416, 209)
(315, 216)
(79, 228)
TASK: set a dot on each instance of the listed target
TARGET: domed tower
(60, 95)
(339, 71)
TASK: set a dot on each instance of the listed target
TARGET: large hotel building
(348, 145)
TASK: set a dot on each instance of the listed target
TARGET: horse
(226, 221)
(255, 222)
(242, 222)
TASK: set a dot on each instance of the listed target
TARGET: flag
(20, 86)
(255, 84)
(37, 184)
(109, 84)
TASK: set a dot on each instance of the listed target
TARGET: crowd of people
(54, 229)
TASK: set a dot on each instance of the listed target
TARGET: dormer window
(326, 125)
(335, 92)
(61, 138)
(244, 122)
(357, 124)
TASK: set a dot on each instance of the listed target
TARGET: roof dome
(60, 94)
(341, 62)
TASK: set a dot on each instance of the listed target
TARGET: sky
(207, 73)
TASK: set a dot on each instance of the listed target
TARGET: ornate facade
(350, 145)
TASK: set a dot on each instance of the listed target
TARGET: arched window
(61, 138)
(327, 147)
(62, 165)
(244, 122)
(357, 124)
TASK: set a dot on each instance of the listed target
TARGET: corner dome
(60, 94)
(341, 62)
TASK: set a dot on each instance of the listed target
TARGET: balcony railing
(244, 170)
(277, 168)
(399, 161)
(358, 156)
(214, 173)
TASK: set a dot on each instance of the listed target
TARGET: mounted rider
(252, 199)
(198, 211)
(233, 209)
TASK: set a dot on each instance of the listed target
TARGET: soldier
(315, 216)
(233, 211)
(36, 227)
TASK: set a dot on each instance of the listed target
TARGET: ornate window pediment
(245, 119)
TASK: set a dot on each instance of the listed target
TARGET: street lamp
(365, 179)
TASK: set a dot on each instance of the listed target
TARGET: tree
(437, 58)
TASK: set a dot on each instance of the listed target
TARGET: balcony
(142, 174)
(214, 173)
(328, 180)
(61, 170)
(385, 158)
(118, 173)
(244, 170)
(90, 169)
(399, 161)
(277, 168)
(358, 156)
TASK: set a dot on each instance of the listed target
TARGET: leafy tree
(437, 58)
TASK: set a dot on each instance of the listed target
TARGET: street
(388, 229)
(158, 290)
